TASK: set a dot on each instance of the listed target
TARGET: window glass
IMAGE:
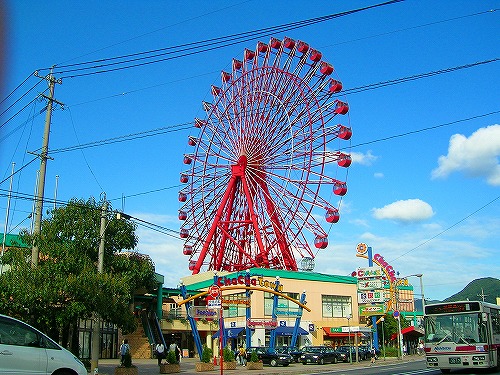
(336, 306)
(17, 333)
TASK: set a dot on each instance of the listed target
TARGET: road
(410, 365)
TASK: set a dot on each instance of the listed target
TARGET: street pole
(96, 326)
(7, 217)
(422, 291)
(349, 334)
(383, 336)
(43, 165)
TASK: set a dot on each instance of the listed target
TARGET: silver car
(25, 350)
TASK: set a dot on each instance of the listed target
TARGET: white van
(24, 350)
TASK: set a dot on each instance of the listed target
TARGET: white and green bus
(463, 335)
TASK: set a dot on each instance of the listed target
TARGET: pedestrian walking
(159, 352)
(373, 355)
(124, 351)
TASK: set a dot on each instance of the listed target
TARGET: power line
(158, 55)
(355, 90)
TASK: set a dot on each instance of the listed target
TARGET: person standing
(124, 350)
(160, 352)
(373, 354)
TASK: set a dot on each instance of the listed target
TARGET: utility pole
(96, 324)
(43, 163)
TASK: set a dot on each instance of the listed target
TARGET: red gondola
(321, 242)
(192, 141)
(192, 264)
(262, 47)
(226, 77)
(184, 233)
(341, 108)
(332, 215)
(275, 43)
(344, 160)
(184, 178)
(249, 54)
(188, 250)
(237, 64)
(215, 90)
(303, 47)
(340, 188)
(326, 68)
(335, 86)
(289, 43)
(182, 215)
(187, 159)
(182, 196)
(345, 132)
(315, 55)
(199, 123)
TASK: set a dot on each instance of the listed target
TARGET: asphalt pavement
(150, 366)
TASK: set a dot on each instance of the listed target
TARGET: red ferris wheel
(261, 160)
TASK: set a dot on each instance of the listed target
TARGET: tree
(66, 286)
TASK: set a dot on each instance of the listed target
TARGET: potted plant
(229, 362)
(255, 363)
(172, 366)
(127, 368)
(206, 363)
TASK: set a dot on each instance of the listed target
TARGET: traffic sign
(214, 291)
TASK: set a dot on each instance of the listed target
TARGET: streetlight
(383, 336)
(349, 335)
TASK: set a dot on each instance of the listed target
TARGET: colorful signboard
(203, 312)
(262, 323)
(370, 284)
(369, 273)
(369, 310)
(370, 297)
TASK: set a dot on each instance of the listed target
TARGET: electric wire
(188, 49)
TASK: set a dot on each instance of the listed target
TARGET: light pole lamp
(383, 336)
(349, 335)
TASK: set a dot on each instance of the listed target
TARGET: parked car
(268, 357)
(294, 352)
(26, 350)
(344, 353)
(364, 352)
(319, 354)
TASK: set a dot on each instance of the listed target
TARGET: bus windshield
(460, 329)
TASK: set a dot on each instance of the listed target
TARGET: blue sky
(424, 185)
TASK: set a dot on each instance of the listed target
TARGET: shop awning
(328, 333)
(410, 333)
(229, 332)
(288, 331)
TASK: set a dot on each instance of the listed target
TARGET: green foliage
(390, 351)
(490, 286)
(228, 354)
(66, 286)
(172, 358)
(254, 357)
(206, 355)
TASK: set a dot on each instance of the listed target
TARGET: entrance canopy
(288, 331)
(229, 332)
(409, 333)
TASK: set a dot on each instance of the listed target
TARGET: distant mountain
(489, 286)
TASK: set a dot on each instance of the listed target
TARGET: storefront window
(336, 306)
(285, 306)
(235, 309)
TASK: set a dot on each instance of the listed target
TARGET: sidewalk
(150, 366)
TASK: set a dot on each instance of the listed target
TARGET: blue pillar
(297, 321)
(192, 322)
(374, 318)
(272, 339)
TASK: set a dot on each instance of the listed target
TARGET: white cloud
(410, 210)
(378, 175)
(476, 156)
(364, 159)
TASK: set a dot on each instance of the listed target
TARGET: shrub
(228, 355)
(172, 358)
(254, 357)
(206, 355)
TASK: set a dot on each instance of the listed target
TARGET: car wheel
(285, 364)
(274, 363)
